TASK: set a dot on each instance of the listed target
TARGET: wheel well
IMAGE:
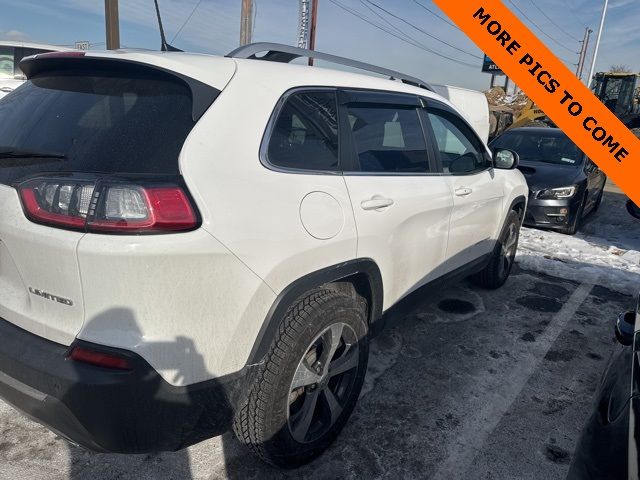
(519, 209)
(356, 286)
(360, 278)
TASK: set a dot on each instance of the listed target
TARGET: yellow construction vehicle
(620, 92)
(502, 118)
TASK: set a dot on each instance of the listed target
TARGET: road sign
(489, 67)
(82, 45)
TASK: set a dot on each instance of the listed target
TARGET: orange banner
(553, 87)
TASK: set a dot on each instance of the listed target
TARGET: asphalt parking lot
(464, 384)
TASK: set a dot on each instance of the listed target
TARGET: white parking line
(495, 402)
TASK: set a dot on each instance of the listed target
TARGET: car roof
(203, 67)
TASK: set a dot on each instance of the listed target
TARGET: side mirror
(625, 326)
(633, 209)
(505, 159)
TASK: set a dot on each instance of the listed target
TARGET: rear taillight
(99, 359)
(108, 206)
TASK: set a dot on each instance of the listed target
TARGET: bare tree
(620, 69)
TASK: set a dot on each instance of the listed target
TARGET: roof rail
(277, 52)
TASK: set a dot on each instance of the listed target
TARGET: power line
(578, 15)
(409, 38)
(424, 31)
(540, 28)
(446, 20)
(389, 32)
(402, 36)
(554, 23)
(186, 21)
(388, 22)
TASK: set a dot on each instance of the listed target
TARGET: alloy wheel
(509, 247)
(322, 383)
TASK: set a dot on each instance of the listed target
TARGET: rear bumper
(105, 410)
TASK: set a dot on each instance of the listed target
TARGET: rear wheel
(495, 274)
(310, 381)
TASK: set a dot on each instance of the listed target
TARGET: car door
(401, 207)
(478, 192)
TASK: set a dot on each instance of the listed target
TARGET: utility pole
(583, 52)
(246, 22)
(112, 24)
(303, 23)
(595, 52)
(312, 30)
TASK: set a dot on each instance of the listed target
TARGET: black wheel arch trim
(332, 274)
(517, 201)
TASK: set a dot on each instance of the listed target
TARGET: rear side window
(99, 123)
(459, 150)
(388, 138)
(305, 134)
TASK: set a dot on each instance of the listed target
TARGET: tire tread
(249, 420)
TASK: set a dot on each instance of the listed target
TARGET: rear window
(100, 123)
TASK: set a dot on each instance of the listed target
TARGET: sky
(407, 35)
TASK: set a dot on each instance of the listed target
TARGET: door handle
(376, 203)
(463, 191)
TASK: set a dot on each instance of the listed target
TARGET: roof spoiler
(202, 95)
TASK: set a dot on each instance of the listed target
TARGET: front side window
(305, 134)
(388, 138)
(458, 153)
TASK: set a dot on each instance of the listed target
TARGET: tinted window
(101, 124)
(388, 139)
(541, 147)
(458, 147)
(305, 134)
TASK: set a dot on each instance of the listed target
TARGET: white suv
(190, 243)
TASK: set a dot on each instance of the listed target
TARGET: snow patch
(582, 258)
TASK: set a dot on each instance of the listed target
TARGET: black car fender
(364, 271)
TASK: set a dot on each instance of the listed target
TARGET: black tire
(575, 225)
(271, 421)
(636, 131)
(495, 274)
